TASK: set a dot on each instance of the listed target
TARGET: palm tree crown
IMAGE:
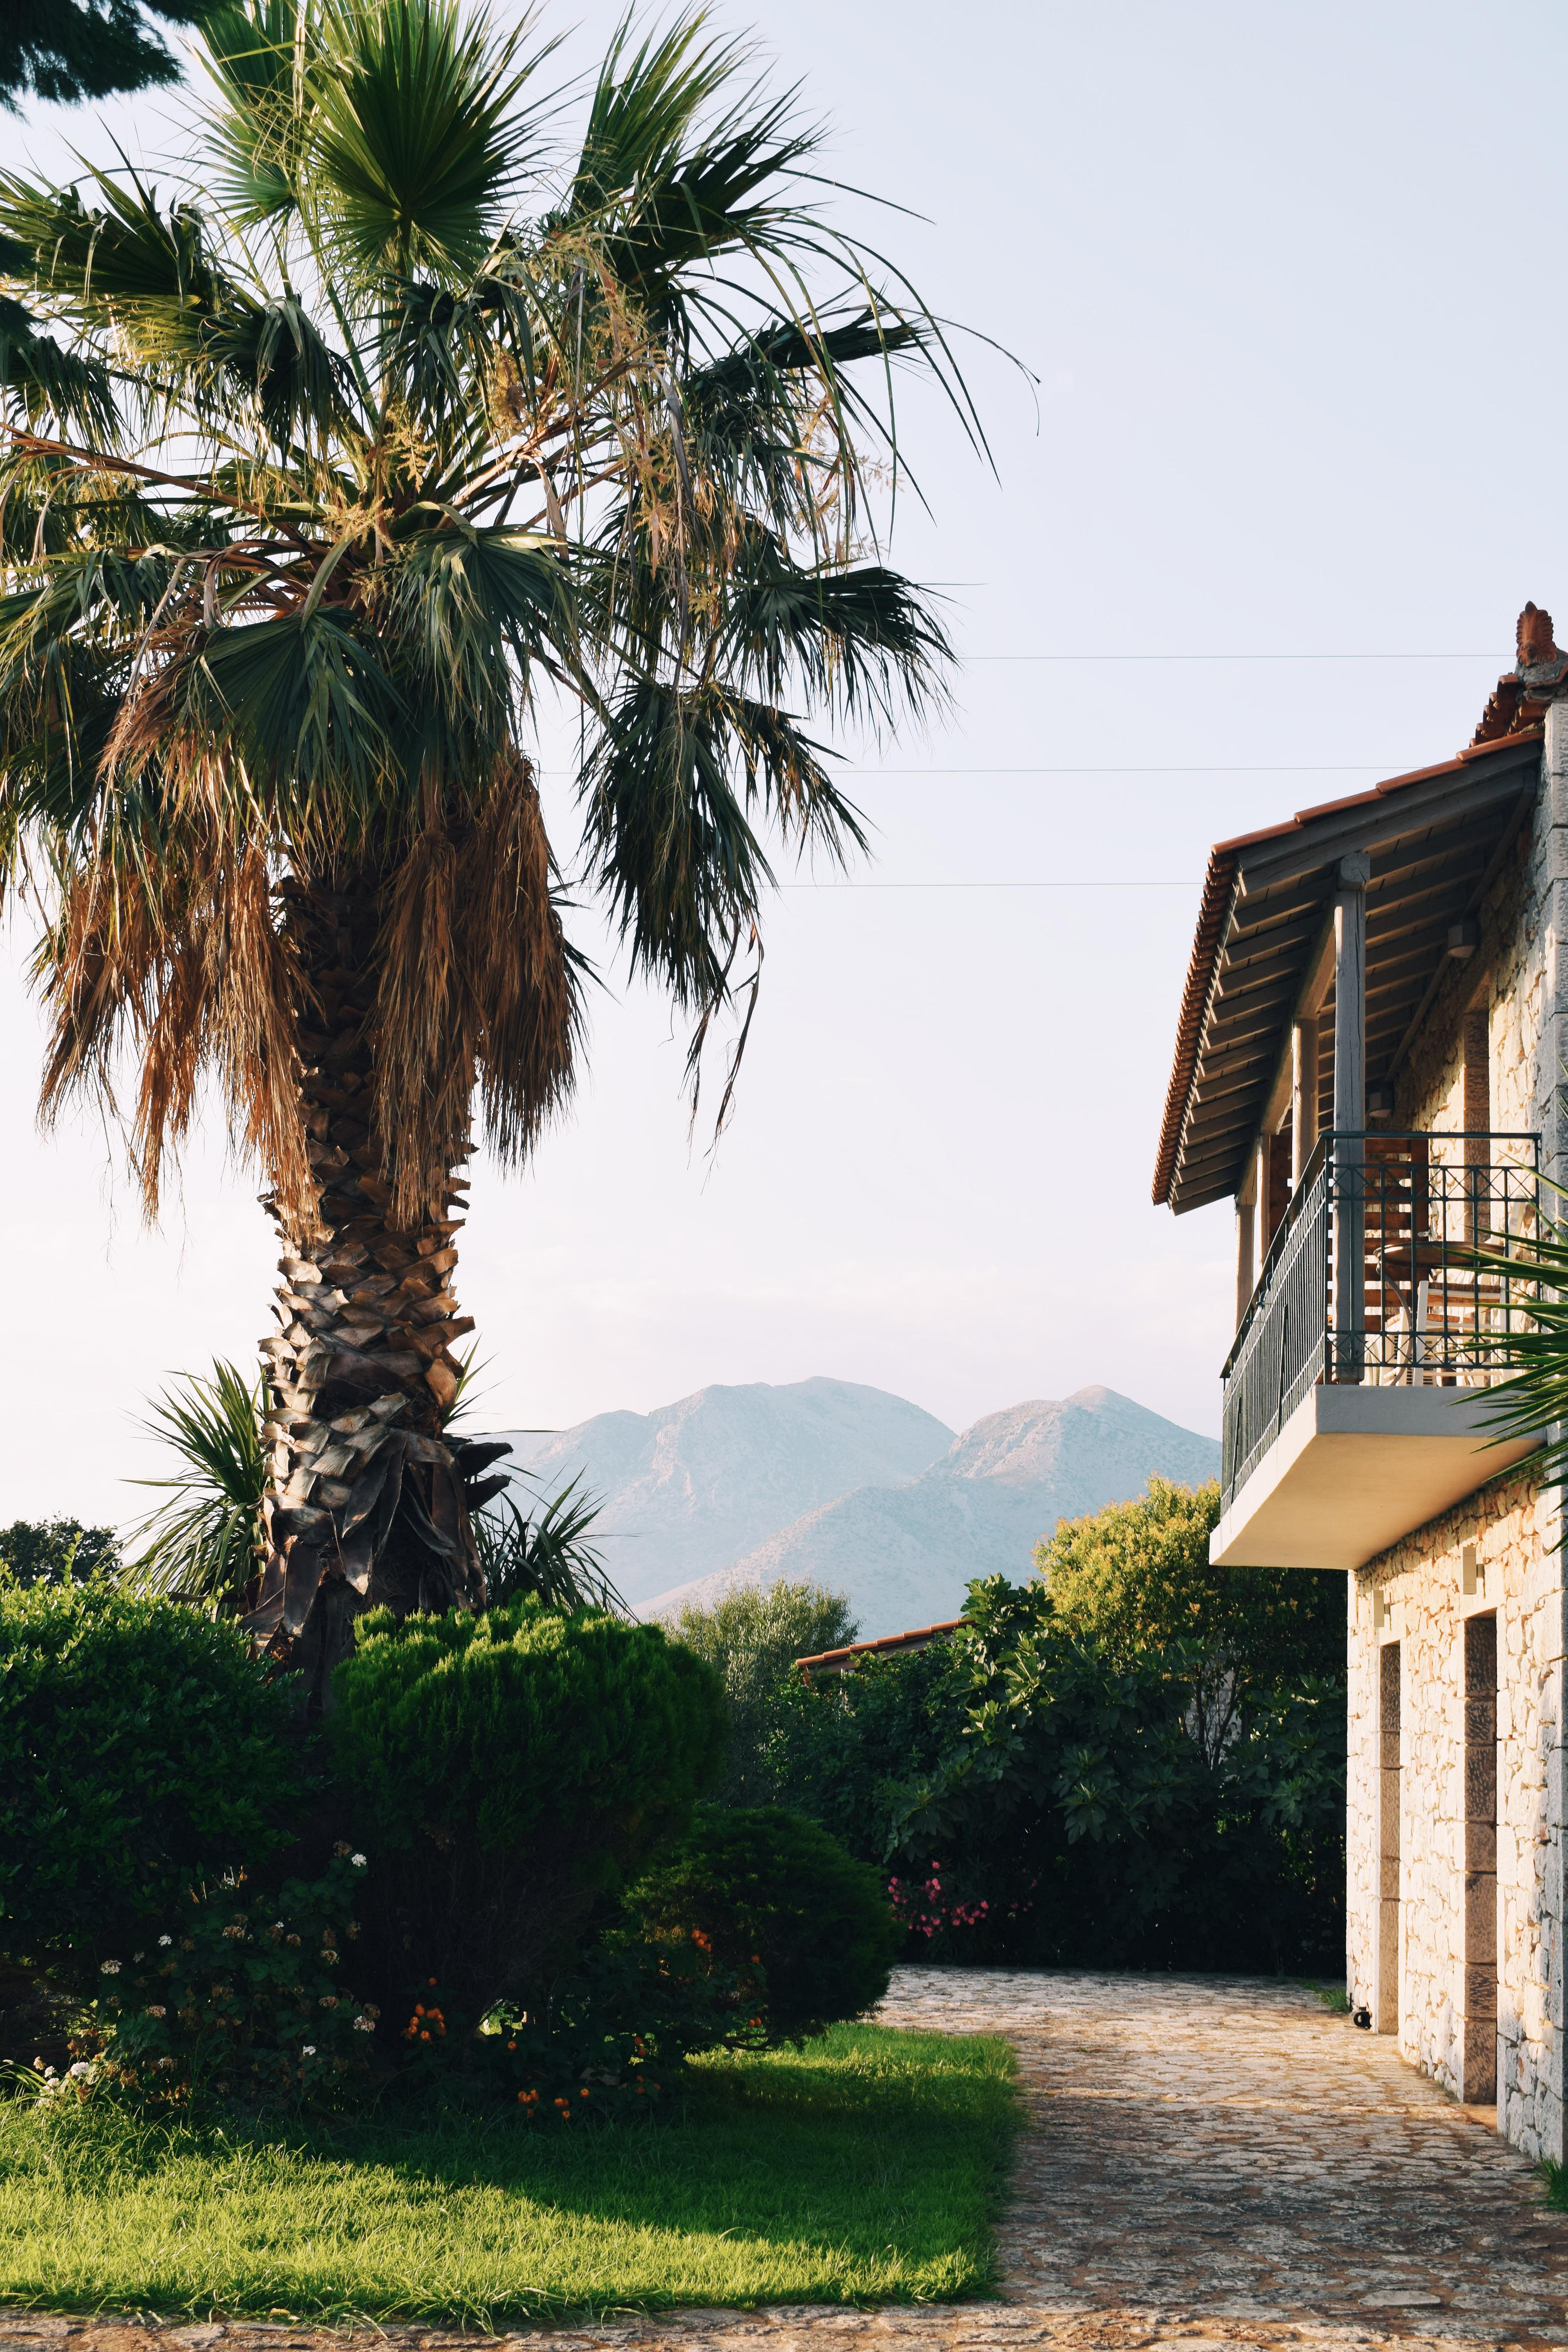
(316, 472)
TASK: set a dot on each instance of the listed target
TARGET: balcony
(1352, 1396)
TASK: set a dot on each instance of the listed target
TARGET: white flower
(82, 2070)
(157, 2013)
(165, 2063)
(110, 1968)
(165, 1939)
(309, 2051)
(364, 2025)
(357, 1860)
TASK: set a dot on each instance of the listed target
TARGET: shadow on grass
(867, 2167)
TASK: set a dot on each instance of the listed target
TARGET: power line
(1132, 660)
(986, 886)
(1345, 768)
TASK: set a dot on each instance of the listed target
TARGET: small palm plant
(391, 418)
(1530, 1399)
(548, 1554)
(204, 1542)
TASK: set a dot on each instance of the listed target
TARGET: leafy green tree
(845, 1749)
(1076, 1818)
(1136, 1581)
(72, 49)
(57, 1551)
(390, 419)
(752, 1638)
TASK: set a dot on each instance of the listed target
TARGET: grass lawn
(866, 2167)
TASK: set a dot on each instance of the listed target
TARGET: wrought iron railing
(1378, 1272)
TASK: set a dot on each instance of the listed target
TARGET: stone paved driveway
(1210, 2164)
(1221, 2158)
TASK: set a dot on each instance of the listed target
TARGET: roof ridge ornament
(1521, 696)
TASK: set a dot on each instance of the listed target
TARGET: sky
(1274, 466)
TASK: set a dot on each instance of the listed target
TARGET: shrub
(140, 1754)
(761, 1887)
(505, 1770)
(752, 1639)
(236, 1995)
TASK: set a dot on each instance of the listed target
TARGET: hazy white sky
(1283, 273)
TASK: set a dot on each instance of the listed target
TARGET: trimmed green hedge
(503, 1770)
(141, 1753)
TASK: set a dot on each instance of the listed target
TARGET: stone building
(1371, 1061)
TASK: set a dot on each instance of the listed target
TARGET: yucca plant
(204, 1542)
(321, 468)
(1530, 1398)
(546, 1552)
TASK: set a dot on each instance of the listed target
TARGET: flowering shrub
(792, 1932)
(921, 1906)
(234, 1995)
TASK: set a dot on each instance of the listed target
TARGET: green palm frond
(202, 1544)
(547, 1555)
(320, 462)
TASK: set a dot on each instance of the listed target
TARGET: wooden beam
(1350, 1109)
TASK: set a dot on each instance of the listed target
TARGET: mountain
(694, 1486)
(904, 1553)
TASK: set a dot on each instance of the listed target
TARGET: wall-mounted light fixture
(1464, 939)
(1380, 1101)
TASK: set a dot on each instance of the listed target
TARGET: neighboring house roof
(845, 1661)
(1437, 838)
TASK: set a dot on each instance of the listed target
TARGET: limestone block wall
(1414, 1595)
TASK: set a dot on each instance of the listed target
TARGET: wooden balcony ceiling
(1436, 839)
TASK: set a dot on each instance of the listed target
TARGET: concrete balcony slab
(1357, 1469)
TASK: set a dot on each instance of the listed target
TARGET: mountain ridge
(903, 1554)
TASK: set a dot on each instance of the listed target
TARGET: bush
(140, 1754)
(236, 1995)
(761, 1887)
(505, 1770)
(752, 1639)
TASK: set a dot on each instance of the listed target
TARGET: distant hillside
(694, 1486)
(904, 1553)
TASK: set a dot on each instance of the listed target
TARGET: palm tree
(318, 473)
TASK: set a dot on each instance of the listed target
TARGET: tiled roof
(1511, 723)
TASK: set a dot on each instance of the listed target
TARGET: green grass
(1334, 1998)
(866, 2167)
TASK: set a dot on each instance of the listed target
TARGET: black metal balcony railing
(1372, 1276)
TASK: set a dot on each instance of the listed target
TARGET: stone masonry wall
(1416, 1590)
(1414, 1594)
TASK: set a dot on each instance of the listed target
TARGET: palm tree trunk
(367, 1504)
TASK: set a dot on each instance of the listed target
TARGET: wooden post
(1303, 1096)
(1350, 1114)
(1246, 1227)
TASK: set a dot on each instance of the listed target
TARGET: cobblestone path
(1210, 2164)
(1212, 2158)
